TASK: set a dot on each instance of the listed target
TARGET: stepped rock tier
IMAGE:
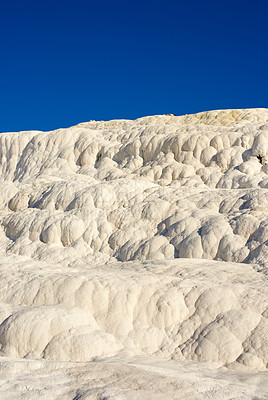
(138, 247)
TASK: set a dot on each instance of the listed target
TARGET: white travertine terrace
(145, 238)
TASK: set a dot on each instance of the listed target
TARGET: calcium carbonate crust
(145, 237)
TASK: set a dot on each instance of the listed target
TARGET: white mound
(136, 248)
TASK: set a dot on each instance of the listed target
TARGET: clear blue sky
(62, 63)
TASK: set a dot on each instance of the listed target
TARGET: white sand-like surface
(134, 259)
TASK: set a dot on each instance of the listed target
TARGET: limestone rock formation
(145, 238)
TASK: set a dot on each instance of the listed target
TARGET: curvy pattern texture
(145, 238)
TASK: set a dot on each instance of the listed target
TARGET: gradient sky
(67, 62)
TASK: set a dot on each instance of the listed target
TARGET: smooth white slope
(182, 309)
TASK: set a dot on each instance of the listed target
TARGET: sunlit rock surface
(127, 245)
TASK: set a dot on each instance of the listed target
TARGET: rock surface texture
(140, 249)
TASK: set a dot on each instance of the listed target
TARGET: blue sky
(62, 63)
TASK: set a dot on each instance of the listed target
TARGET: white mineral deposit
(134, 259)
